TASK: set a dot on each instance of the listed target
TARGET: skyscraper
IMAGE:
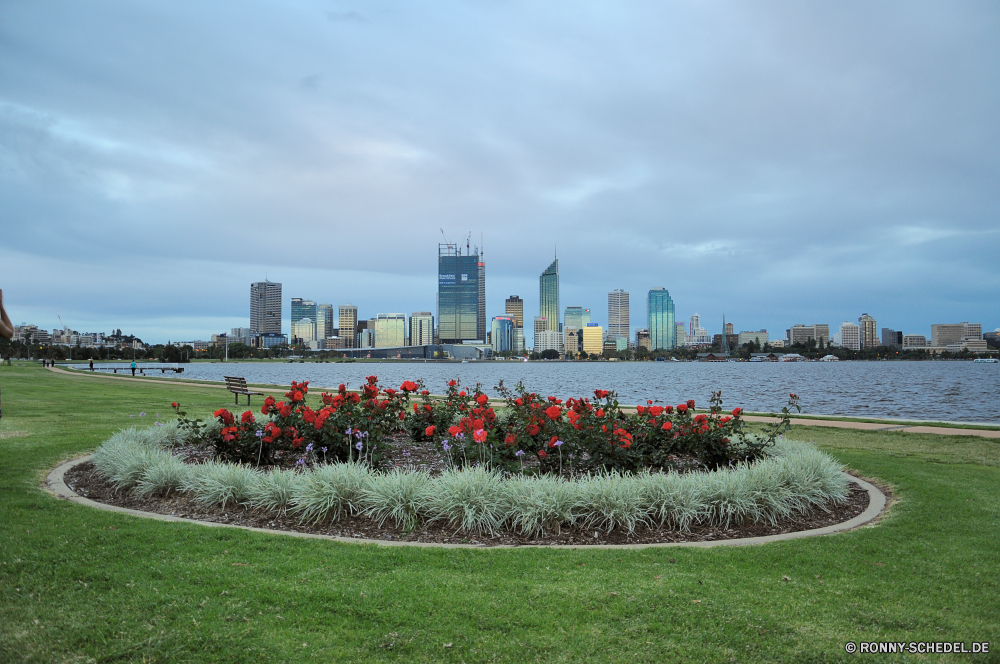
(502, 334)
(660, 318)
(301, 311)
(548, 296)
(515, 308)
(458, 295)
(576, 317)
(348, 322)
(850, 336)
(324, 321)
(421, 328)
(390, 330)
(481, 307)
(593, 339)
(869, 338)
(618, 314)
(265, 308)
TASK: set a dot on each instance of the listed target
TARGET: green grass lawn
(81, 585)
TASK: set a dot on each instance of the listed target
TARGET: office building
(576, 317)
(593, 339)
(571, 340)
(303, 331)
(914, 341)
(850, 336)
(947, 334)
(502, 334)
(680, 338)
(760, 336)
(548, 296)
(390, 330)
(421, 328)
(514, 307)
(301, 310)
(801, 334)
(365, 338)
(892, 338)
(518, 339)
(869, 337)
(548, 340)
(642, 340)
(696, 333)
(659, 318)
(541, 324)
(265, 308)
(481, 304)
(240, 335)
(728, 329)
(347, 324)
(324, 321)
(618, 314)
(458, 295)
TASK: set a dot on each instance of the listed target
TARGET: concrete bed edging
(55, 484)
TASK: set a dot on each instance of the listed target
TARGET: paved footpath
(886, 425)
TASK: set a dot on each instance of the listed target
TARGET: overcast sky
(778, 163)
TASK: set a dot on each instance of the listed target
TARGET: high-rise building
(241, 335)
(891, 337)
(265, 308)
(348, 323)
(541, 324)
(695, 325)
(642, 339)
(303, 331)
(801, 334)
(481, 305)
(421, 328)
(593, 339)
(548, 340)
(914, 341)
(514, 307)
(571, 339)
(681, 337)
(518, 339)
(502, 334)
(458, 295)
(548, 296)
(618, 314)
(729, 328)
(390, 330)
(760, 336)
(660, 318)
(869, 336)
(576, 317)
(324, 321)
(850, 336)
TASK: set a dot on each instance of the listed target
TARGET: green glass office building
(660, 313)
(458, 295)
(548, 295)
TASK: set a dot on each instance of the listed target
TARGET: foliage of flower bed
(575, 434)
(790, 479)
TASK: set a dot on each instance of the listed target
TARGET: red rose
(667, 426)
(454, 431)
(737, 412)
(408, 386)
(690, 403)
(479, 436)
(247, 418)
(452, 383)
(542, 454)
(429, 431)
(640, 409)
(462, 393)
(669, 409)
(682, 408)
(402, 416)
(519, 401)
(510, 440)
(173, 404)
(532, 430)
(553, 412)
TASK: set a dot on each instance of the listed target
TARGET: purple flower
(300, 462)
(324, 450)
(445, 445)
(519, 453)
(142, 414)
(309, 447)
(159, 424)
(557, 443)
(259, 434)
(359, 446)
(348, 432)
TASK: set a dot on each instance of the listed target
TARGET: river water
(941, 391)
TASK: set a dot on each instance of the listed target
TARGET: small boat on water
(986, 360)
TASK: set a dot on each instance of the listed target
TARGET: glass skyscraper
(576, 317)
(302, 310)
(662, 326)
(265, 308)
(548, 296)
(458, 295)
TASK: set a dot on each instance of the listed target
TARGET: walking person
(92, 365)
(6, 328)
(133, 368)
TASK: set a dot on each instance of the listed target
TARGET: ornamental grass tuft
(331, 490)
(471, 499)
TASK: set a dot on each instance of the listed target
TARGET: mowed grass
(80, 585)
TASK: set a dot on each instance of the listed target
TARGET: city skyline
(843, 158)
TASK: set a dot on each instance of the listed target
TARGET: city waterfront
(940, 391)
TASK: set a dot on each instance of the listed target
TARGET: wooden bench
(238, 385)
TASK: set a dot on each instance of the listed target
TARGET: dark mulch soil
(84, 480)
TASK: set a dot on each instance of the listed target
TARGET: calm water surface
(955, 391)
